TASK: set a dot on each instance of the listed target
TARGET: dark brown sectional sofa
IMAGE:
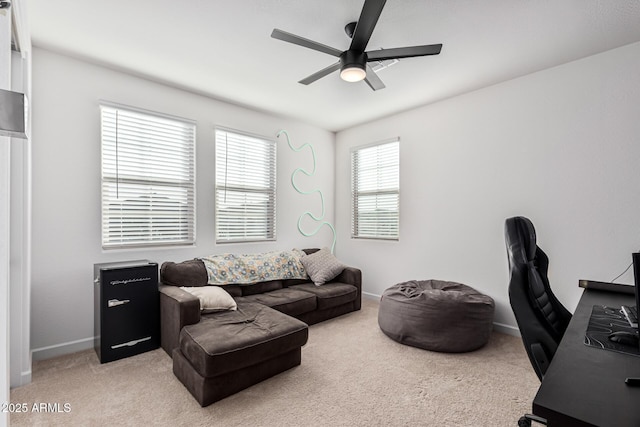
(218, 354)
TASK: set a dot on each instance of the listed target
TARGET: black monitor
(636, 277)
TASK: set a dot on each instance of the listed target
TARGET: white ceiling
(223, 48)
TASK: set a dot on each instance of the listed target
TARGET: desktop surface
(585, 386)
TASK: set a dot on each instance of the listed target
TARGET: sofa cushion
(261, 287)
(293, 282)
(231, 340)
(331, 294)
(212, 298)
(322, 266)
(288, 300)
(186, 273)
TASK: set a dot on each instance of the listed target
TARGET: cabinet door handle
(116, 302)
(130, 343)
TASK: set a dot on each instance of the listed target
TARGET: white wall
(561, 146)
(20, 210)
(20, 255)
(5, 194)
(15, 356)
(66, 186)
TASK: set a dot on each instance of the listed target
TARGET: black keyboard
(631, 313)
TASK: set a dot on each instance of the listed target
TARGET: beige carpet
(351, 375)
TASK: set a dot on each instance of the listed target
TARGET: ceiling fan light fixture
(353, 66)
(353, 73)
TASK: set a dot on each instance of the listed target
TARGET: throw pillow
(322, 266)
(212, 298)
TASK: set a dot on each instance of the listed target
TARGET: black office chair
(541, 318)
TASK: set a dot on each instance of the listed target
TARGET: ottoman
(436, 315)
(229, 351)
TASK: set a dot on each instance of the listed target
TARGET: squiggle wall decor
(320, 218)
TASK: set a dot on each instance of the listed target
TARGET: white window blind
(245, 187)
(375, 178)
(148, 179)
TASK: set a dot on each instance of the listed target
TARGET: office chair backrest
(541, 318)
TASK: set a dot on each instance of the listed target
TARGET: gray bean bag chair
(436, 315)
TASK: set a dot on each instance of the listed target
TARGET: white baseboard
(498, 327)
(56, 350)
(23, 379)
(370, 296)
(506, 329)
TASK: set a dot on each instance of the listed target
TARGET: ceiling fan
(353, 62)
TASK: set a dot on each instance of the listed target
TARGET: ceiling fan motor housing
(353, 59)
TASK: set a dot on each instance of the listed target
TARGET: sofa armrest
(352, 276)
(178, 308)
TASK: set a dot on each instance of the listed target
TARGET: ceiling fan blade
(404, 52)
(373, 80)
(320, 74)
(301, 41)
(366, 23)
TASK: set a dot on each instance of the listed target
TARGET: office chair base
(526, 420)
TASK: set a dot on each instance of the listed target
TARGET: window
(245, 187)
(375, 190)
(148, 179)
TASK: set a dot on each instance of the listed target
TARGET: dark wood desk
(584, 386)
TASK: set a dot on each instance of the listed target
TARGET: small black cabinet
(126, 309)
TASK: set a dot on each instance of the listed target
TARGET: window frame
(184, 215)
(355, 232)
(270, 191)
